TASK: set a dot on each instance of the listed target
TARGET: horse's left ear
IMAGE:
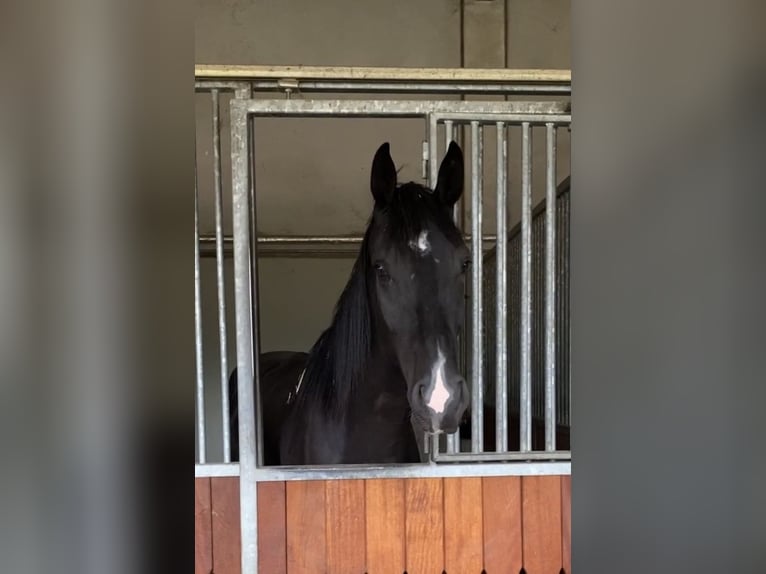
(449, 185)
(383, 175)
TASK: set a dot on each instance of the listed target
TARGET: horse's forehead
(425, 244)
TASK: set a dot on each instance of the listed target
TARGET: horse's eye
(466, 265)
(381, 271)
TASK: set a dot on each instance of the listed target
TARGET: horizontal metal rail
(508, 456)
(540, 114)
(216, 469)
(347, 73)
(298, 245)
(507, 111)
(299, 87)
(530, 467)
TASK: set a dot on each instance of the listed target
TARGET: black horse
(388, 361)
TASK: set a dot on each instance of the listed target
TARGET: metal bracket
(289, 86)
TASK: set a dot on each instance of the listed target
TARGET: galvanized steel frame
(451, 113)
(361, 80)
(502, 119)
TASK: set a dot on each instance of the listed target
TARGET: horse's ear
(449, 185)
(383, 176)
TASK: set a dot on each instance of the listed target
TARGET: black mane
(338, 359)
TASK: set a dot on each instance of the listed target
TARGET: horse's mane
(337, 362)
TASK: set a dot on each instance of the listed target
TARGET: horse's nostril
(422, 392)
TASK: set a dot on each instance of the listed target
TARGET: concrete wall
(313, 174)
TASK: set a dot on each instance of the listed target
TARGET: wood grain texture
(566, 523)
(306, 538)
(225, 514)
(385, 526)
(502, 524)
(345, 526)
(203, 529)
(272, 528)
(424, 511)
(541, 522)
(463, 525)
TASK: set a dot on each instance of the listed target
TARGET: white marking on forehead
(422, 246)
(439, 394)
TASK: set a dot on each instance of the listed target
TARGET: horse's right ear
(449, 183)
(383, 176)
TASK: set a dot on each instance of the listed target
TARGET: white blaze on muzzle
(438, 394)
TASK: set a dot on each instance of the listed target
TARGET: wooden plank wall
(499, 525)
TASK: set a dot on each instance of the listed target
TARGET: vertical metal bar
(202, 450)
(453, 440)
(477, 406)
(433, 149)
(525, 415)
(449, 136)
(567, 329)
(431, 445)
(244, 328)
(550, 291)
(223, 347)
(254, 293)
(501, 342)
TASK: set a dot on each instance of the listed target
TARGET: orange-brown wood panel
(306, 538)
(385, 526)
(463, 525)
(345, 526)
(203, 529)
(425, 525)
(272, 528)
(502, 524)
(225, 512)
(541, 522)
(566, 523)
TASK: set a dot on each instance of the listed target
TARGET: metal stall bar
(223, 347)
(550, 289)
(408, 87)
(431, 441)
(501, 313)
(301, 245)
(504, 77)
(202, 458)
(508, 111)
(525, 410)
(246, 373)
(529, 464)
(453, 440)
(477, 385)
(244, 93)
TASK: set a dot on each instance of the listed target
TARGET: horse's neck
(373, 427)
(383, 378)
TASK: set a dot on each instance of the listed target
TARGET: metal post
(223, 347)
(433, 152)
(453, 440)
(501, 343)
(525, 415)
(202, 458)
(254, 289)
(477, 399)
(248, 491)
(550, 291)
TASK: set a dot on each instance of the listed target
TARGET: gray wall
(313, 174)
